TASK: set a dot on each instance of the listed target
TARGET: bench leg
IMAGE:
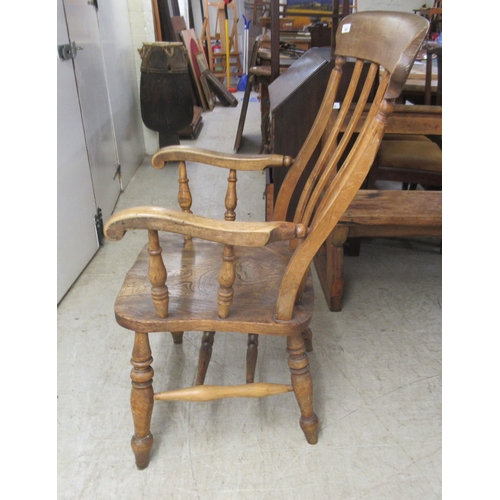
(335, 266)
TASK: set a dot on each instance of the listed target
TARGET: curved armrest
(251, 234)
(235, 162)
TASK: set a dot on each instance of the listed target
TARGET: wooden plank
(203, 66)
(406, 119)
(157, 22)
(191, 43)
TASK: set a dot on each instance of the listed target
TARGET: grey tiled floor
(376, 368)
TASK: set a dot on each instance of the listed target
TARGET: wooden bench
(378, 213)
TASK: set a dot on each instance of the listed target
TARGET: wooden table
(416, 78)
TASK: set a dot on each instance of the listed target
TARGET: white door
(83, 28)
(100, 134)
(76, 233)
(119, 53)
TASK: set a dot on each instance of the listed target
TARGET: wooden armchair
(254, 278)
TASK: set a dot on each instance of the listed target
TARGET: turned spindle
(231, 197)
(227, 278)
(184, 196)
(157, 275)
(227, 275)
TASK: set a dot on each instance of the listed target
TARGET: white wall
(399, 5)
(142, 28)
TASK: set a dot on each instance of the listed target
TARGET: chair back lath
(388, 43)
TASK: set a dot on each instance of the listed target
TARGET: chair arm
(224, 160)
(251, 234)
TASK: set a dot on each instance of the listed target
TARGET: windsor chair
(261, 284)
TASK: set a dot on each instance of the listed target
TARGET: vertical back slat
(349, 164)
(331, 166)
(338, 195)
(310, 144)
(326, 150)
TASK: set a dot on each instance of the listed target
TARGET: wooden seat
(254, 278)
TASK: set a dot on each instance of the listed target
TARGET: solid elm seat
(376, 213)
(256, 285)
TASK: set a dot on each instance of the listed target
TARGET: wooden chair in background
(413, 159)
(261, 285)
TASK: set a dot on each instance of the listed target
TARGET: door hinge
(67, 51)
(99, 227)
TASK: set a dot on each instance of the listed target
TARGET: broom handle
(228, 48)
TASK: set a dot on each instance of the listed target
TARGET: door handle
(67, 51)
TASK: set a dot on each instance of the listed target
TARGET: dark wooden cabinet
(295, 97)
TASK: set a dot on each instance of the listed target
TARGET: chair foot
(302, 386)
(142, 448)
(310, 428)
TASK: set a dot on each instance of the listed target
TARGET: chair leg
(335, 266)
(307, 336)
(204, 358)
(177, 336)
(244, 107)
(302, 386)
(252, 352)
(142, 399)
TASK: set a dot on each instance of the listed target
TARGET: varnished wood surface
(229, 232)
(215, 284)
(211, 392)
(407, 119)
(193, 269)
(395, 52)
(216, 159)
(388, 207)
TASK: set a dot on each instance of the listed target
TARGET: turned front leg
(302, 386)
(141, 399)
